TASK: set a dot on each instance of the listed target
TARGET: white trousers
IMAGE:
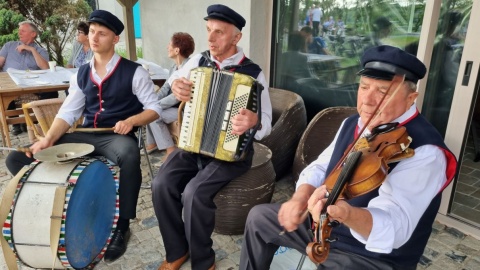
(157, 132)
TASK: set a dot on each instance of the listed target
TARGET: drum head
(90, 214)
(64, 152)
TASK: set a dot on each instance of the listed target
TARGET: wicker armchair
(235, 200)
(289, 120)
(318, 135)
(44, 112)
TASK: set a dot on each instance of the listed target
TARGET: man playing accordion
(190, 181)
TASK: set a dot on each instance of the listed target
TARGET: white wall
(116, 9)
(162, 18)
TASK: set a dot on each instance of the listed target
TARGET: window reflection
(442, 76)
(346, 30)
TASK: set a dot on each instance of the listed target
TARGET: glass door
(318, 44)
(461, 200)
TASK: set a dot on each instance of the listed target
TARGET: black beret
(226, 14)
(108, 19)
(384, 62)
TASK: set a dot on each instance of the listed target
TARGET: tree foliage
(9, 25)
(56, 20)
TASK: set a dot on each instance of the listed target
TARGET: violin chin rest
(407, 153)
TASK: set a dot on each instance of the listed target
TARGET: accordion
(217, 96)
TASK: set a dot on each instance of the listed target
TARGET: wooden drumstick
(92, 129)
(19, 149)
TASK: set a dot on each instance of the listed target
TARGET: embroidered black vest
(409, 254)
(113, 100)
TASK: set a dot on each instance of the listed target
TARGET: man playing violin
(389, 226)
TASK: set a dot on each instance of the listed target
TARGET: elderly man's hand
(291, 214)
(316, 202)
(244, 120)
(181, 89)
(24, 47)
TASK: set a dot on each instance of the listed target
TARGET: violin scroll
(318, 251)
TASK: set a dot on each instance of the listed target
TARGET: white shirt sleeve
(142, 86)
(403, 198)
(266, 109)
(72, 108)
(184, 71)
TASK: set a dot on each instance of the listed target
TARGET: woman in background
(179, 49)
(81, 52)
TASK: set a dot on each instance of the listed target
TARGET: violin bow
(396, 79)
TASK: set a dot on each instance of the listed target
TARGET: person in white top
(317, 14)
(382, 225)
(180, 47)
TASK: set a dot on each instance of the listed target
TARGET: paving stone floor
(448, 248)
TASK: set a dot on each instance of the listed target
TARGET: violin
(363, 168)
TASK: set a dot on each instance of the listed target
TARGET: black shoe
(16, 129)
(23, 127)
(118, 245)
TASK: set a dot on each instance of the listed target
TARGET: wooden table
(10, 91)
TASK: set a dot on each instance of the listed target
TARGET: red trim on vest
(410, 119)
(451, 168)
(100, 86)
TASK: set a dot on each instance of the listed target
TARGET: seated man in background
(110, 91)
(387, 227)
(25, 54)
(314, 44)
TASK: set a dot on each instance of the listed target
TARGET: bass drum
(90, 213)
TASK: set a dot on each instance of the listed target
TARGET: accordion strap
(206, 56)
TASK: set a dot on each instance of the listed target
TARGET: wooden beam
(129, 28)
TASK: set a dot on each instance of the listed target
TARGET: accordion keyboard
(217, 96)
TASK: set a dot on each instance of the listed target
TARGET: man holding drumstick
(110, 91)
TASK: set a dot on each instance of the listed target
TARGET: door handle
(466, 73)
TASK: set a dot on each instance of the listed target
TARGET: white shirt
(142, 87)
(317, 14)
(403, 197)
(234, 60)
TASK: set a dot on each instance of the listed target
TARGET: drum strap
(56, 221)
(5, 206)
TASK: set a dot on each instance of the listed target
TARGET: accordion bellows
(217, 95)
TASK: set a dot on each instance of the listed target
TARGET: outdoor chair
(318, 136)
(235, 200)
(289, 120)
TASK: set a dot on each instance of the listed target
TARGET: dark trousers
(261, 240)
(316, 29)
(121, 149)
(180, 183)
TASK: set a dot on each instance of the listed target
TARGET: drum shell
(89, 215)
